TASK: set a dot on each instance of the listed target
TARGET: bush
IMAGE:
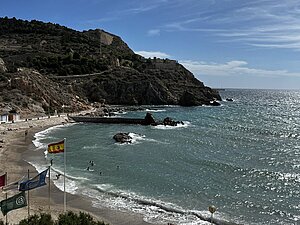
(71, 218)
(42, 219)
(68, 218)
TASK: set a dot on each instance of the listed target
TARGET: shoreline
(16, 145)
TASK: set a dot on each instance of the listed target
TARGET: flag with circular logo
(35, 182)
(14, 202)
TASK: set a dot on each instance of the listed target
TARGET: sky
(224, 43)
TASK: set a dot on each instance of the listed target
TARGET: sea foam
(153, 210)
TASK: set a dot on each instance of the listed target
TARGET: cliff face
(54, 57)
(31, 93)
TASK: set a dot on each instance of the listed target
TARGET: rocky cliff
(61, 66)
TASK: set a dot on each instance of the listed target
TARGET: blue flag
(35, 182)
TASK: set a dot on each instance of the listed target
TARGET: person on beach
(57, 176)
(51, 162)
(26, 133)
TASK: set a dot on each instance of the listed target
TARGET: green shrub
(69, 218)
(42, 219)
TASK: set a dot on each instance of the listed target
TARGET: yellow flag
(56, 147)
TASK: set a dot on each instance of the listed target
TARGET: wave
(167, 127)
(44, 134)
(38, 166)
(139, 138)
(155, 110)
(73, 183)
(71, 186)
(120, 113)
(57, 171)
(135, 139)
(95, 146)
(154, 211)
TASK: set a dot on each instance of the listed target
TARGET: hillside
(53, 57)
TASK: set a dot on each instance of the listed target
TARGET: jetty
(115, 120)
(148, 120)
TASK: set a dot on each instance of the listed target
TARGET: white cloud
(232, 68)
(149, 54)
(264, 24)
(153, 32)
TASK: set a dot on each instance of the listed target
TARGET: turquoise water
(243, 157)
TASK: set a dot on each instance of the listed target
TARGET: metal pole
(28, 196)
(65, 156)
(49, 184)
(6, 197)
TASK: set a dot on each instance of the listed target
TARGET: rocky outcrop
(153, 87)
(188, 99)
(149, 119)
(122, 138)
(34, 94)
(170, 122)
(214, 103)
(111, 72)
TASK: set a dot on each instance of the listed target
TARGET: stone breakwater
(148, 120)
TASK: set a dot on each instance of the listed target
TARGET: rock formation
(68, 67)
(122, 138)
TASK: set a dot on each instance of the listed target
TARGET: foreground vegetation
(69, 218)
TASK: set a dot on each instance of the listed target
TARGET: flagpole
(6, 223)
(49, 184)
(28, 196)
(65, 196)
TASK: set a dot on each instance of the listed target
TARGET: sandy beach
(14, 144)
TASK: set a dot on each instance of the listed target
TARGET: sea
(242, 157)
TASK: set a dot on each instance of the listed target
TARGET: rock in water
(170, 122)
(122, 137)
(149, 120)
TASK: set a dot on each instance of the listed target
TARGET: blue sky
(225, 43)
